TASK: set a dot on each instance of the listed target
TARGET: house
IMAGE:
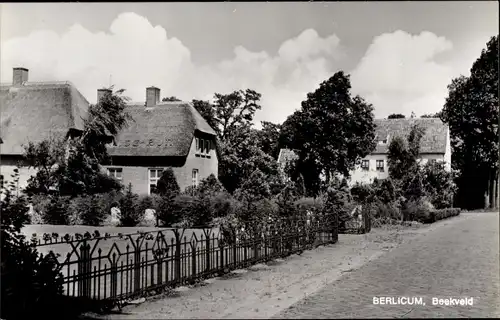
(163, 134)
(435, 146)
(35, 111)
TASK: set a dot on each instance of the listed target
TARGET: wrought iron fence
(360, 222)
(121, 267)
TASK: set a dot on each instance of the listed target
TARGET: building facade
(435, 146)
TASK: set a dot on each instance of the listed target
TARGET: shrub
(446, 213)
(385, 210)
(339, 202)
(130, 216)
(419, 210)
(439, 184)
(167, 184)
(91, 210)
(361, 193)
(170, 210)
(57, 210)
(30, 284)
(305, 205)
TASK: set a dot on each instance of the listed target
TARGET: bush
(130, 216)
(305, 205)
(170, 210)
(30, 284)
(167, 184)
(361, 193)
(419, 210)
(91, 210)
(57, 210)
(382, 210)
(440, 214)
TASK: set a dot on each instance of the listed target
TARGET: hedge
(440, 214)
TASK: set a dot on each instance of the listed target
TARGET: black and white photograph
(249, 160)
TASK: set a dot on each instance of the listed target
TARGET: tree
(332, 130)
(130, 216)
(396, 116)
(167, 184)
(471, 111)
(403, 154)
(231, 117)
(170, 99)
(439, 184)
(267, 138)
(432, 115)
(73, 166)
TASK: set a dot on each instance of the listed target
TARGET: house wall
(447, 155)
(137, 171)
(7, 165)
(363, 176)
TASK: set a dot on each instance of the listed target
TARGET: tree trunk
(492, 189)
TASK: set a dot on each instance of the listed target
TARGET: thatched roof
(434, 140)
(38, 111)
(166, 129)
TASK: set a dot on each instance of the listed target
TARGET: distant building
(35, 111)
(163, 134)
(435, 146)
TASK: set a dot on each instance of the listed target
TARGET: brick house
(435, 146)
(35, 111)
(161, 135)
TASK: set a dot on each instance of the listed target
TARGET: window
(154, 176)
(195, 177)
(365, 165)
(432, 161)
(207, 147)
(380, 165)
(115, 173)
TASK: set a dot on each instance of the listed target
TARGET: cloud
(401, 73)
(398, 73)
(134, 54)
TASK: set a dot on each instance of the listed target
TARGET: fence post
(137, 265)
(84, 269)
(177, 259)
(114, 276)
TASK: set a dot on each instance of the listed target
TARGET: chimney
(101, 93)
(152, 96)
(19, 76)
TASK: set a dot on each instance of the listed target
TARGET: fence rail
(117, 268)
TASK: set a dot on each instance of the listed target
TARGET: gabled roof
(166, 129)
(38, 111)
(434, 140)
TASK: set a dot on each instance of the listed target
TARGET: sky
(400, 56)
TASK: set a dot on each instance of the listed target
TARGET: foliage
(339, 201)
(418, 210)
(331, 131)
(171, 99)
(30, 283)
(167, 184)
(432, 115)
(388, 211)
(439, 184)
(362, 193)
(88, 210)
(403, 154)
(396, 116)
(471, 111)
(73, 166)
(267, 138)
(57, 210)
(241, 149)
(130, 216)
(255, 188)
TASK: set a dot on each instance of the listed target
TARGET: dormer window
(203, 148)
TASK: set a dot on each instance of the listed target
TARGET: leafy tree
(168, 189)
(170, 99)
(439, 184)
(331, 131)
(130, 216)
(231, 116)
(432, 115)
(338, 200)
(403, 153)
(57, 210)
(30, 283)
(471, 111)
(73, 167)
(268, 138)
(253, 189)
(396, 116)
(167, 184)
